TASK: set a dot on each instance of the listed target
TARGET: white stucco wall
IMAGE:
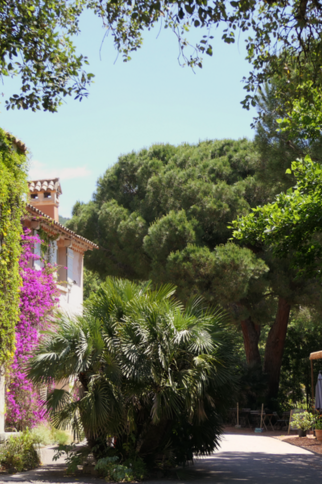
(70, 276)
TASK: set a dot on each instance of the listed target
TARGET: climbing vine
(13, 186)
(38, 298)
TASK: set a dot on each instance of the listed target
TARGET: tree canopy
(290, 224)
(35, 43)
(280, 139)
(158, 201)
(36, 40)
(162, 214)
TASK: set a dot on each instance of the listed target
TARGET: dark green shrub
(143, 363)
(304, 336)
(137, 466)
(111, 470)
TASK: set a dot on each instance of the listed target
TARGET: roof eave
(61, 228)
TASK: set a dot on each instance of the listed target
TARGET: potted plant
(302, 421)
(318, 428)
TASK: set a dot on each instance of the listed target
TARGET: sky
(131, 106)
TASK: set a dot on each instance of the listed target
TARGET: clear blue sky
(150, 99)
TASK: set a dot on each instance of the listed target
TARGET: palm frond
(139, 358)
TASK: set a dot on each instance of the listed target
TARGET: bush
(302, 420)
(60, 437)
(47, 435)
(74, 456)
(43, 434)
(112, 471)
(20, 453)
(318, 423)
(137, 466)
(177, 364)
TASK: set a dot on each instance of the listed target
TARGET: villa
(64, 247)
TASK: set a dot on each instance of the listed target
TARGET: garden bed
(308, 443)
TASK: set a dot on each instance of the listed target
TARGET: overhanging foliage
(284, 36)
(35, 43)
(292, 223)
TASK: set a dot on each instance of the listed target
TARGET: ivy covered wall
(13, 187)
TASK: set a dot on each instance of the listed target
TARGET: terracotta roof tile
(45, 185)
(33, 210)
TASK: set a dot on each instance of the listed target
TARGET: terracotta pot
(318, 434)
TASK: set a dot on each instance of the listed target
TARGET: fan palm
(146, 369)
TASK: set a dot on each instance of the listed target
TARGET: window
(62, 263)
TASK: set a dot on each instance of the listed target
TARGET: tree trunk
(275, 347)
(251, 334)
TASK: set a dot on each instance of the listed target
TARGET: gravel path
(249, 459)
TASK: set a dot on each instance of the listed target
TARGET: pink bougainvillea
(38, 297)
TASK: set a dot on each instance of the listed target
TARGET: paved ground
(249, 459)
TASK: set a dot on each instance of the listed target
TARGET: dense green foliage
(303, 117)
(159, 201)
(91, 283)
(20, 453)
(291, 224)
(109, 468)
(278, 147)
(147, 371)
(63, 220)
(163, 214)
(35, 43)
(46, 435)
(12, 188)
(304, 337)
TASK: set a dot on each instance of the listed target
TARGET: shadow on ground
(228, 467)
(241, 459)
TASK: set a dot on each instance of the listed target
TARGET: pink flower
(38, 297)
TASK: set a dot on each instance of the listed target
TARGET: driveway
(241, 459)
(256, 459)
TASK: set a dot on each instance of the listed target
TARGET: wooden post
(237, 426)
(289, 423)
(262, 412)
